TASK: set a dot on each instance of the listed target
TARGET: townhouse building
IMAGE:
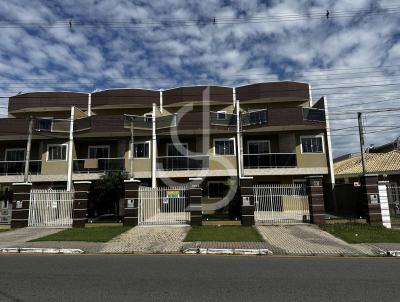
(272, 132)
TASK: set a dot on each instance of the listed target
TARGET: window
(57, 152)
(224, 147)
(221, 115)
(15, 154)
(258, 147)
(141, 150)
(148, 117)
(177, 149)
(217, 189)
(44, 124)
(99, 151)
(312, 144)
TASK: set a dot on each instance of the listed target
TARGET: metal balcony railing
(258, 117)
(98, 165)
(176, 163)
(269, 160)
(18, 167)
(314, 114)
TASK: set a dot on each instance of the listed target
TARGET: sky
(352, 57)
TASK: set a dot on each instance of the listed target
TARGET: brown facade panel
(289, 116)
(108, 123)
(140, 97)
(273, 90)
(13, 126)
(48, 99)
(215, 94)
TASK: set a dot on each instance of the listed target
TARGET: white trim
(137, 143)
(98, 146)
(183, 144)
(259, 141)
(14, 149)
(225, 139)
(221, 119)
(56, 145)
(313, 136)
(208, 188)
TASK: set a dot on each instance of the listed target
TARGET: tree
(107, 191)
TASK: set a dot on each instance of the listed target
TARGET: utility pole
(362, 146)
(70, 149)
(132, 148)
(28, 150)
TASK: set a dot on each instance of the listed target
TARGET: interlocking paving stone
(225, 245)
(307, 239)
(148, 239)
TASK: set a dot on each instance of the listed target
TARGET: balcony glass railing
(269, 160)
(314, 114)
(18, 167)
(98, 165)
(222, 118)
(174, 163)
(257, 117)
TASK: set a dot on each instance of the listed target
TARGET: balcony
(99, 165)
(179, 163)
(314, 114)
(269, 160)
(222, 118)
(18, 167)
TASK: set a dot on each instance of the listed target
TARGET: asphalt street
(197, 278)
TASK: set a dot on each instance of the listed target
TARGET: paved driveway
(17, 237)
(307, 239)
(148, 239)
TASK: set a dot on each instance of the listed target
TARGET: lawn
(92, 234)
(223, 233)
(4, 230)
(362, 233)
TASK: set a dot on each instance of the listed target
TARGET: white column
(329, 143)
(90, 105)
(153, 149)
(383, 200)
(161, 101)
(70, 149)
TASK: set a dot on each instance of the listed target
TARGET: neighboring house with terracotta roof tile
(386, 165)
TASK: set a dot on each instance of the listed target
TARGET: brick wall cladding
(315, 194)
(195, 206)
(131, 193)
(246, 190)
(19, 216)
(369, 186)
(79, 209)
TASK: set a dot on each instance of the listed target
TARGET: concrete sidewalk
(20, 237)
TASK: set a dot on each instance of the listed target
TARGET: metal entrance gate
(280, 204)
(163, 205)
(50, 208)
(393, 193)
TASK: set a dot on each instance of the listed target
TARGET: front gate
(163, 205)
(50, 208)
(393, 194)
(280, 204)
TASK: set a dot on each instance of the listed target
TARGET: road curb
(16, 250)
(213, 251)
(393, 253)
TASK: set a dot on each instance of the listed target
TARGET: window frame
(312, 136)
(148, 117)
(14, 149)
(259, 141)
(172, 144)
(98, 146)
(132, 149)
(214, 182)
(224, 139)
(57, 145)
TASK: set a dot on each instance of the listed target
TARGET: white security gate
(50, 208)
(163, 205)
(393, 194)
(280, 204)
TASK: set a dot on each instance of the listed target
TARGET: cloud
(123, 44)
